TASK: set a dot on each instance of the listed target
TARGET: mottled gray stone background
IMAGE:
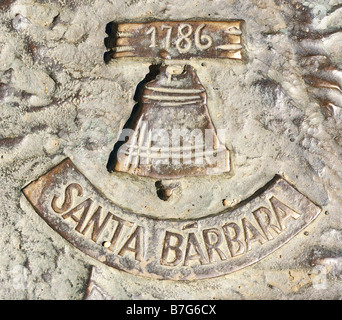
(281, 108)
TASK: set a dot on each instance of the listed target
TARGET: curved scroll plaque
(169, 249)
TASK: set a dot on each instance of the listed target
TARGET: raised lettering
(152, 31)
(251, 234)
(168, 36)
(231, 240)
(117, 232)
(213, 247)
(283, 212)
(193, 245)
(82, 207)
(263, 217)
(175, 248)
(95, 222)
(137, 248)
(193, 242)
(202, 42)
(67, 198)
(184, 38)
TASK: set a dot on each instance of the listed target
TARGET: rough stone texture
(281, 107)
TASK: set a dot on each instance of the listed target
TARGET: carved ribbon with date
(177, 40)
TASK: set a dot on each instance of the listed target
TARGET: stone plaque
(170, 149)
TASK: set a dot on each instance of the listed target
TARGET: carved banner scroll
(169, 249)
(177, 40)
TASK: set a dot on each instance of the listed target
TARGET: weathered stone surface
(281, 107)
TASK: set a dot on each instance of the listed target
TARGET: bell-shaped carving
(170, 133)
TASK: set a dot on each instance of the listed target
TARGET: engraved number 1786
(183, 42)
